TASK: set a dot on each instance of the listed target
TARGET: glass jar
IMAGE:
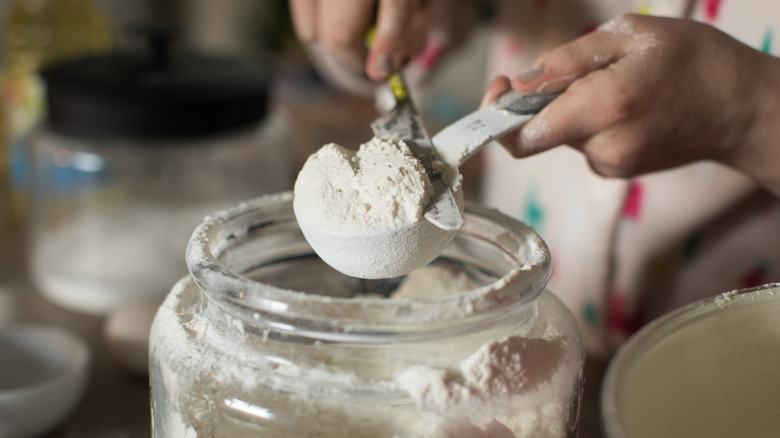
(265, 339)
(35, 34)
(708, 369)
(111, 218)
(132, 154)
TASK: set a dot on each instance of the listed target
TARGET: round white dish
(43, 373)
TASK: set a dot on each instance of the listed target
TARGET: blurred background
(96, 211)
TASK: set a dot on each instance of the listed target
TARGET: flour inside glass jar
(510, 368)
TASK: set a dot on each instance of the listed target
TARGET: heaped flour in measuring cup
(362, 211)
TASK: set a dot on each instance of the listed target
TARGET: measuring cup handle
(524, 104)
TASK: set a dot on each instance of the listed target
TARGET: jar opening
(253, 262)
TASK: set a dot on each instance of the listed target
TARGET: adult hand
(340, 26)
(647, 93)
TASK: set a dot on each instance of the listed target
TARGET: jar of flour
(134, 149)
(265, 339)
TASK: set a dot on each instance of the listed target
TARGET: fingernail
(383, 64)
(530, 75)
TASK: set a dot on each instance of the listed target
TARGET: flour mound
(495, 370)
(380, 186)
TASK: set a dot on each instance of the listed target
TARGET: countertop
(116, 400)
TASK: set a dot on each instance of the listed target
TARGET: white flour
(497, 369)
(220, 382)
(433, 282)
(380, 186)
(622, 26)
(362, 212)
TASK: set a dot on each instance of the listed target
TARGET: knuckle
(617, 109)
(568, 54)
(613, 103)
(614, 158)
(569, 51)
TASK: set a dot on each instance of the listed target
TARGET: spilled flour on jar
(380, 186)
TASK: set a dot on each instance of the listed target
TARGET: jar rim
(512, 296)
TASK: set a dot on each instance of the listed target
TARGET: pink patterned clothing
(626, 251)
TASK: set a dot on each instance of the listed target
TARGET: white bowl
(708, 369)
(43, 372)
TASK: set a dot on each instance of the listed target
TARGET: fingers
(499, 86)
(424, 22)
(304, 15)
(553, 125)
(597, 73)
(338, 26)
(400, 30)
(342, 29)
(556, 69)
(591, 106)
(537, 135)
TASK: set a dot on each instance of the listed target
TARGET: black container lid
(154, 95)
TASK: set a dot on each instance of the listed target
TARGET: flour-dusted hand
(339, 28)
(648, 93)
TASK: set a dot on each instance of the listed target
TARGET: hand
(647, 93)
(340, 26)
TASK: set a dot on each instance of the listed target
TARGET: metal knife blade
(404, 123)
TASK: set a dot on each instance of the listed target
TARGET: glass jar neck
(232, 255)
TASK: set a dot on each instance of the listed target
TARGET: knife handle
(398, 86)
(461, 139)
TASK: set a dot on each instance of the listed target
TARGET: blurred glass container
(265, 339)
(134, 150)
(37, 33)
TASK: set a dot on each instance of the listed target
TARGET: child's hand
(648, 93)
(340, 26)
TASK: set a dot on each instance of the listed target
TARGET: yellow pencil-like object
(395, 81)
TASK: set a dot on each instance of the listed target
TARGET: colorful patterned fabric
(627, 251)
